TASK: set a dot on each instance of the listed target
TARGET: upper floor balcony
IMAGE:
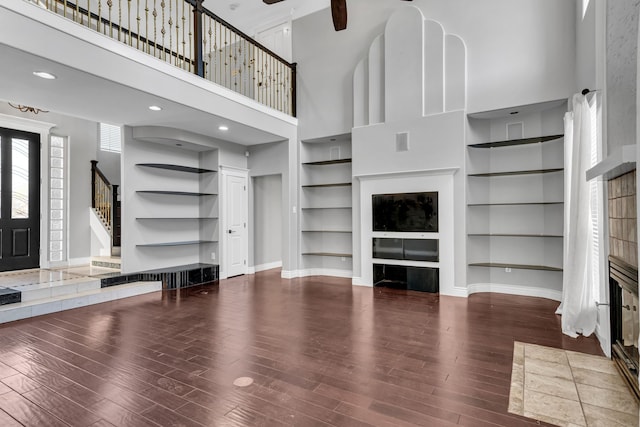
(186, 35)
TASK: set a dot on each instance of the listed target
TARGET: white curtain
(578, 309)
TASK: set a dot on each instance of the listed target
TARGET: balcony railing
(186, 35)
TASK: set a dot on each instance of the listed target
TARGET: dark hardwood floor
(320, 352)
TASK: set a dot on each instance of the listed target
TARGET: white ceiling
(252, 15)
(80, 94)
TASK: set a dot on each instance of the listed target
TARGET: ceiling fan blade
(272, 1)
(339, 14)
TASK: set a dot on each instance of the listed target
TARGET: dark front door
(19, 200)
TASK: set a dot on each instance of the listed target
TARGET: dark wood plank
(7, 421)
(20, 383)
(63, 408)
(320, 351)
(26, 412)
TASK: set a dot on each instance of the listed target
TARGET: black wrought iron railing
(186, 35)
(104, 200)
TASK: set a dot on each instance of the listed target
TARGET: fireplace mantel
(619, 162)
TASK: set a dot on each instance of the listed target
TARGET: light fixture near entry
(27, 109)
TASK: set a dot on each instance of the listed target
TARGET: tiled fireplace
(623, 236)
(623, 276)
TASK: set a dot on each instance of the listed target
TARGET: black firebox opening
(424, 279)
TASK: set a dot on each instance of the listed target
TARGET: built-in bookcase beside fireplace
(405, 243)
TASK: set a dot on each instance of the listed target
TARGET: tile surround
(566, 388)
(623, 235)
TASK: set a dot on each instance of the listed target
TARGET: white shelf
(325, 191)
(515, 217)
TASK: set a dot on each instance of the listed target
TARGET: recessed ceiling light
(155, 108)
(223, 128)
(44, 75)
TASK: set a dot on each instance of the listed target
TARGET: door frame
(225, 173)
(43, 129)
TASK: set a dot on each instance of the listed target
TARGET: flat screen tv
(406, 212)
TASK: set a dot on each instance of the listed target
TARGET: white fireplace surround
(440, 180)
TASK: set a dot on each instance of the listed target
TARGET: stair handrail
(103, 197)
(198, 41)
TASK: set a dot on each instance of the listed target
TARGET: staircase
(105, 203)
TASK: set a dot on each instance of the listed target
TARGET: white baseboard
(603, 329)
(528, 291)
(603, 339)
(333, 272)
(456, 291)
(357, 281)
(262, 267)
(289, 274)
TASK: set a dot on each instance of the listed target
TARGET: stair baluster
(105, 202)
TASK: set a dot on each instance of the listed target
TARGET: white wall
(279, 158)
(82, 149)
(109, 164)
(518, 53)
(267, 221)
(622, 46)
(435, 143)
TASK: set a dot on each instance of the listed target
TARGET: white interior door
(236, 237)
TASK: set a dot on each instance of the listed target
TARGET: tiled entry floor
(39, 276)
(44, 291)
(566, 388)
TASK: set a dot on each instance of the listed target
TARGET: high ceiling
(252, 15)
(85, 95)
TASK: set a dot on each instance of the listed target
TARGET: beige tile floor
(24, 279)
(566, 388)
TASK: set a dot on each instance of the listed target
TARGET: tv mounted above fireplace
(406, 212)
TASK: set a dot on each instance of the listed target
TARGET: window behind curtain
(595, 191)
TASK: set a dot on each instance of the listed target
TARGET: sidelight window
(57, 199)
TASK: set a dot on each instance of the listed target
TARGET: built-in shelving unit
(515, 186)
(326, 218)
(186, 204)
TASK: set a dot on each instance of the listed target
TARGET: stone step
(53, 289)
(38, 307)
(107, 262)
